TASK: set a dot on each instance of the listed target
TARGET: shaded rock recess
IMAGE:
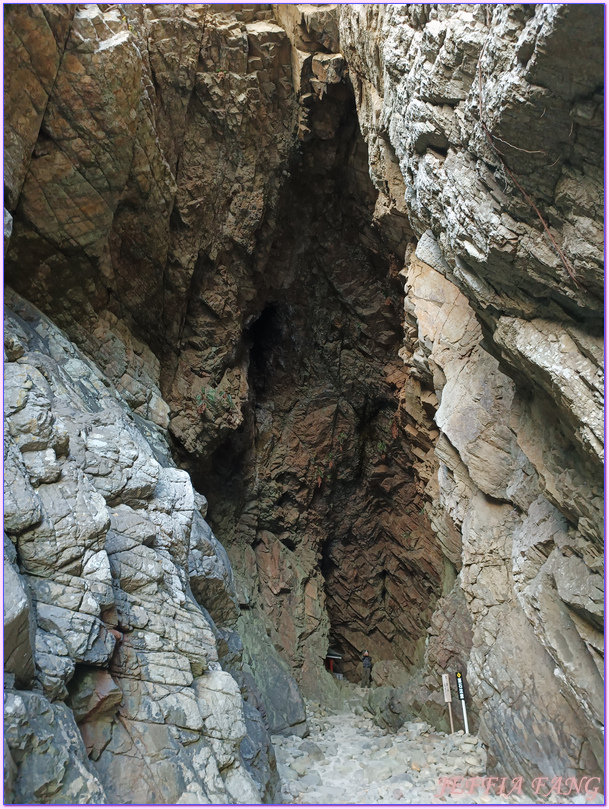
(303, 348)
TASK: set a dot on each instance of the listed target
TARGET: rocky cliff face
(121, 603)
(268, 307)
(226, 209)
(503, 296)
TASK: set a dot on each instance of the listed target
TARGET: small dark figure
(367, 670)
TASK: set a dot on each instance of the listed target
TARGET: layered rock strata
(194, 268)
(325, 524)
(503, 299)
(215, 204)
(119, 600)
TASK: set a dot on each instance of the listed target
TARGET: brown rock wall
(35, 37)
(328, 497)
(195, 256)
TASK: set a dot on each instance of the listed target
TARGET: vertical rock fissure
(316, 494)
(190, 199)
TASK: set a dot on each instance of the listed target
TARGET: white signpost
(461, 694)
(448, 699)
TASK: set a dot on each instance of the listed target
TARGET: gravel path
(348, 759)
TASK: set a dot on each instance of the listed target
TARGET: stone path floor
(348, 759)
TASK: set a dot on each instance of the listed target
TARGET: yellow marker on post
(461, 694)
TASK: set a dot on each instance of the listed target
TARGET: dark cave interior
(319, 463)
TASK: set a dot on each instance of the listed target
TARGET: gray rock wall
(117, 595)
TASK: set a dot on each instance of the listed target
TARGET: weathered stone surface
(514, 468)
(561, 593)
(22, 507)
(48, 753)
(258, 753)
(93, 693)
(94, 699)
(210, 574)
(104, 538)
(284, 710)
(19, 623)
(486, 448)
(388, 672)
(209, 226)
(424, 92)
(73, 526)
(35, 39)
(504, 426)
(567, 365)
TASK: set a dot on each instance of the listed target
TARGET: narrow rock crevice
(303, 295)
(320, 473)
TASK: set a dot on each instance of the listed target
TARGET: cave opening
(316, 494)
(264, 337)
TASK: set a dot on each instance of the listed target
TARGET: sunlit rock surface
(519, 457)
